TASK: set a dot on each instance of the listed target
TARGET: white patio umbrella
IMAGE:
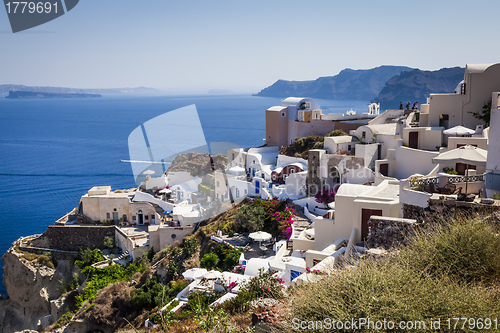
(466, 154)
(194, 273)
(260, 236)
(459, 130)
(148, 172)
(212, 275)
(165, 190)
(237, 169)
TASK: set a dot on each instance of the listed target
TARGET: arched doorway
(140, 217)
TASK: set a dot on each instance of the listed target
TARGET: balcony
(448, 184)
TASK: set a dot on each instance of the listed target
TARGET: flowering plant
(232, 285)
(326, 196)
(280, 215)
(265, 285)
(314, 271)
(240, 269)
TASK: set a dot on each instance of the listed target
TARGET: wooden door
(365, 217)
(462, 167)
(413, 140)
(384, 169)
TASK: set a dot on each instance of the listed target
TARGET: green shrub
(99, 278)
(109, 242)
(209, 261)
(228, 256)
(88, 257)
(154, 294)
(42, 259)
(64, 319)
(318, 145)
(200, 300)
(450, 171)
(338, 132)
(250, 218)
(232, 259)
(197, 300)
(189, 247)
(45, 260)
(174, 271)
(240, 303)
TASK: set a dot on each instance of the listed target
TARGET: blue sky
(194, 46)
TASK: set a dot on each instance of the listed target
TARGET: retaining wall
(74, 238)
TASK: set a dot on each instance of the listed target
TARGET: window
(237, 192)
(146, 217)
(114, 210)
(152, 217)
(294, 274)
(233, 156)
(444, 120)
(282, 114)
(125, 219)
(134, 218)
(269, 137)
(363, 134)
(349, 147)
(292, 170)
(218, 184)
(246, 192)
(108, 215)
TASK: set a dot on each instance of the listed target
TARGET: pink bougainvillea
(325, 197)
(280, 216)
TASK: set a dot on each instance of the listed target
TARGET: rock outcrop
(34, 291)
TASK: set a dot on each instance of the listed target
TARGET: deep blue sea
(52, 151)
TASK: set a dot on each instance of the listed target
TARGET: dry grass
(447, 271)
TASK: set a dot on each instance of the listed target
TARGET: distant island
(40, 95)
(6, 88)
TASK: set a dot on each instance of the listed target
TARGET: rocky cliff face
(348, 84)
(417, 85)
(34, 292)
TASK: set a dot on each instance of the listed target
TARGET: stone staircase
(123, 255)
(300, 222)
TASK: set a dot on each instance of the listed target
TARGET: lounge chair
(447, 189)
(430, 188)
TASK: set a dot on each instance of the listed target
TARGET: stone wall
(74, 238)
(388, 232)
(56, 254)
(444, 209)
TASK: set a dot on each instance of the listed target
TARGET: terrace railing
(419, 182)
(464, 179)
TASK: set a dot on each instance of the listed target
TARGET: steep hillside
(348, 84)
(416, 85)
